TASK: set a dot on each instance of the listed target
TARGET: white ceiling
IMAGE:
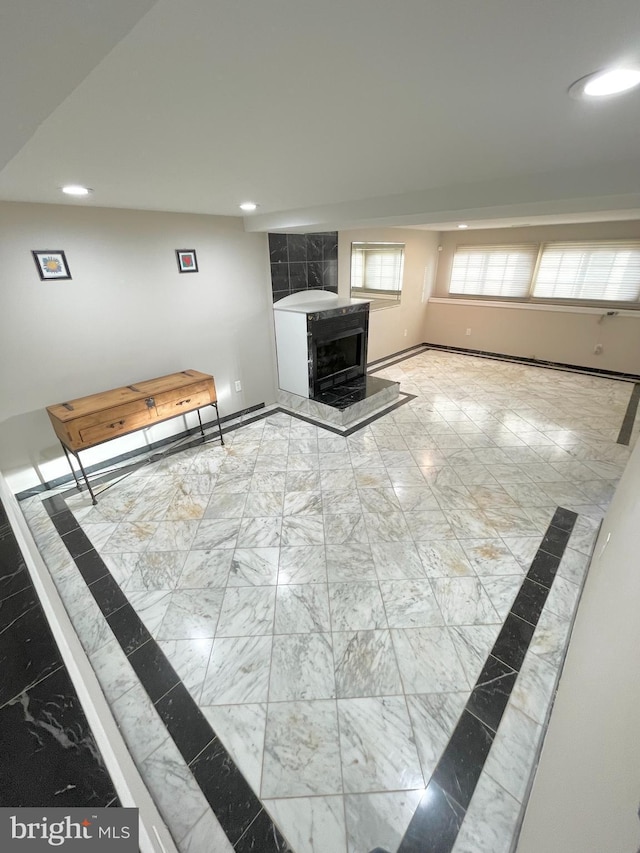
(330, 114)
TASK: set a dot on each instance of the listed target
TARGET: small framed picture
(51, 264)
(187, 261)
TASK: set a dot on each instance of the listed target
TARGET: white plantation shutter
(590, 271)
(493, 270)
(377, 266)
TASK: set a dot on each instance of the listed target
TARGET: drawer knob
(116, 424)
(182, 402)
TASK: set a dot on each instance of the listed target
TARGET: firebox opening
(338, 355)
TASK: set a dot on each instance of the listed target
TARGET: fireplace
(338, 350)
(321, 341)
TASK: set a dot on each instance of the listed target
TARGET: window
(589, 271)
(493, 270)
(376, 271)
(586, 272)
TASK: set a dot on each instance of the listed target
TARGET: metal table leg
(86, 479)
(219, 424)
(84, 473)
(73, 470)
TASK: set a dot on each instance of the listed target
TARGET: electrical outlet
(238, 385)
(597, 349)
(468, 332)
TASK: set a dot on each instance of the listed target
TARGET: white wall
(127, 315)
(587, 788)
(387, 326)
(566, 336)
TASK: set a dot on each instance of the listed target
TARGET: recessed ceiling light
(76, 189)
(248, 206)
(462, 225)
(600, 84)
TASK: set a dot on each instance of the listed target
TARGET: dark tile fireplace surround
(303, 262)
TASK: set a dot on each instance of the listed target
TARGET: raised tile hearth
(347, 404)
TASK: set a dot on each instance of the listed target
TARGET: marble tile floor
(330, 602)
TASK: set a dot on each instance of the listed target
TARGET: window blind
(493, 270)
(377, 266)
(589, 271)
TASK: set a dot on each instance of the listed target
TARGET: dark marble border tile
(529, 601)
(435, 825)
(513, 641)
(491, 693)
(261, 835)
(543, 569)
(153, 669)
(91, 566)
(564, 519)
(76, 540)
(185, 722)
(555, 541)
(128, 628)
(64, 521)
(108, 595)
(57, 504)
(461, 764)
(228, 793)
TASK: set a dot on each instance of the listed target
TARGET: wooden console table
(92, 420)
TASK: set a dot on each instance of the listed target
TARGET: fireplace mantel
(316, 301)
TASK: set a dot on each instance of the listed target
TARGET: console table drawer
(176, 401)
(118, 421)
